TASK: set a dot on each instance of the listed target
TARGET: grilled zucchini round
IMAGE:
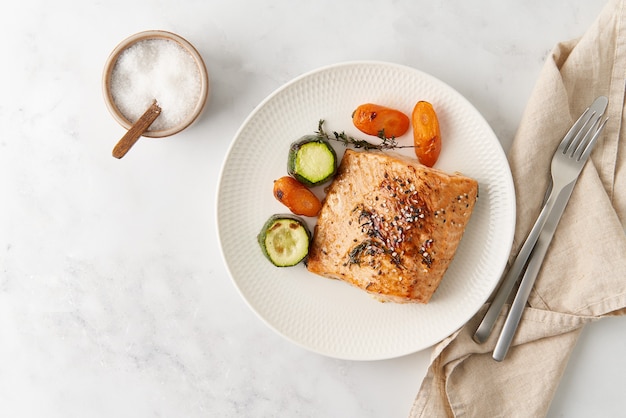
(284, 240)
(312, 160)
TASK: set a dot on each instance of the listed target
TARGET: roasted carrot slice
(426, 133)
(380, 121)
(296, 196)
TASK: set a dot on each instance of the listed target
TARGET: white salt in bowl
(150, 64)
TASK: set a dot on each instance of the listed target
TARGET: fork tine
(586, 150)
(583, 137)
(581, 149)
(569, 137)
(580, 136)
(581, 128)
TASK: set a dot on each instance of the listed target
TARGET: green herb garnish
(385, 144)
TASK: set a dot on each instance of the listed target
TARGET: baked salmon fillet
(390, 225)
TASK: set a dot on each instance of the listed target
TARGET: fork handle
(508, 282)
(534, 265)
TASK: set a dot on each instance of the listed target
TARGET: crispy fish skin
(391, 226)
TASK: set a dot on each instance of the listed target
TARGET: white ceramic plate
(327, 316)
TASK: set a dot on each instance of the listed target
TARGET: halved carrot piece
(296, 196)
(380, 121)
(426, 133)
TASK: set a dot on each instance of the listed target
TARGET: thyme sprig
(385, 144)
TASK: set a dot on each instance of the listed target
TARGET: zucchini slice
(285, 240)
(312, 160)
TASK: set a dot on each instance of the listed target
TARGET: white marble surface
(114, 300)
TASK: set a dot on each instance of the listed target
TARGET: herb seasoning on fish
(385, 235)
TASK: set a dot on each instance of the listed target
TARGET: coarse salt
(156, 69)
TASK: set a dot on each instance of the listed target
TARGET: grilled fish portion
(391, 226)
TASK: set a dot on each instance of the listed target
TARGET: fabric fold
(583, 277)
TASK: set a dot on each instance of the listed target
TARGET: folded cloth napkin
(583, 277)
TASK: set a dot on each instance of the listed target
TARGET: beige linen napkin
(584, 273)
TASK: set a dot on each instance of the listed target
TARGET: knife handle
(519, 303)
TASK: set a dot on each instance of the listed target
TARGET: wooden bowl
(147, 35)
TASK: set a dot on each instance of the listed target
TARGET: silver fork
(567, 163)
